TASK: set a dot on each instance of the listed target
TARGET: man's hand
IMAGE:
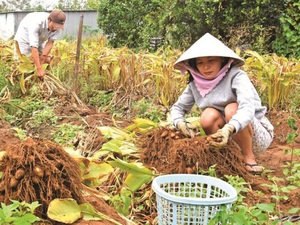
(45, 59)
(221, 137)
(41, 73)
(186, 128)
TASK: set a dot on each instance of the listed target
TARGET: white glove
(186, 128)
(221, 137)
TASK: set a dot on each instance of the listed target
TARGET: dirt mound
(169, 152)
(39, 171)
(8, 135)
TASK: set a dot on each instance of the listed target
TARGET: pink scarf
(203, 85)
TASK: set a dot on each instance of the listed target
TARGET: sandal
(254, 172)
(292, 218)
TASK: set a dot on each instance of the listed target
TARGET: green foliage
(68, 211)
(100, 98)
(292, 135)
(279, 192)
(291, 172)
(122, 21)
(71, 5)
(145, 109)
(43, 117)
(18, 213)
(239, 212)
(181, 23)
(275, 75)
(20, 133)
(250, 23)
(122, 201)
(20, 109)
(14, 5)
(291, 168)
(65, 133)
(287, 41)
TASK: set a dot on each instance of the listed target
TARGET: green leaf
(112, 146)
(294, 210)
(119, 146)
(130, 167)
(135, 181)
(114, 133)
(142, 125)
(89, 213)
(266, 207)
(122, 201)
(26, 68)
(64, 210)
(97, 169)
(7, 210)
(22, 83)
(27, 219)
(138, 174)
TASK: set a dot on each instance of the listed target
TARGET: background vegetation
(128, 74)
(264, 26)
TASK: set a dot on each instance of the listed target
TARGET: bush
(287, 41)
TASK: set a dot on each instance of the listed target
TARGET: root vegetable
(209, 138)
(189, 170)
(31, 158)
(13, 182)
(35, 180)
(172, 135)
(47, 173)
(164, 134)
(38, 171)
(2, 186)
(19, 174)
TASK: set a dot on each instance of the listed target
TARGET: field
(119, 149)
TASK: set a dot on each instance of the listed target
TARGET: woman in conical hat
(229, 102)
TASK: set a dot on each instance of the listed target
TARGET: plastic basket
(189, 199)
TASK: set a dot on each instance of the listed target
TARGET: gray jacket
(234, 87)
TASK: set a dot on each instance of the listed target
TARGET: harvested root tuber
(20, 173)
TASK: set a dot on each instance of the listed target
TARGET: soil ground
(185, 155)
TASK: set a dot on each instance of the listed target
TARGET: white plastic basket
(189, 199)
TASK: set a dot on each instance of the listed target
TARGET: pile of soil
(169, 152)
(39, 171)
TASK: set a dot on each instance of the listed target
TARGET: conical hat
(208, 45)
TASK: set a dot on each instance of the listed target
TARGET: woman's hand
(186, 128)
(221, 137)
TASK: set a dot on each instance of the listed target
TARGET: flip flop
(253, 171)
(294, 218)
